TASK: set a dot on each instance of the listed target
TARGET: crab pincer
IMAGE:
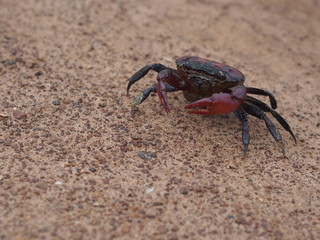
(219, 103)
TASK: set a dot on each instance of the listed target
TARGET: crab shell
(206, 77)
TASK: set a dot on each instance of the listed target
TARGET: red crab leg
(162, 93)
(219, 103)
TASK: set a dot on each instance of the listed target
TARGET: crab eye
(221, 75)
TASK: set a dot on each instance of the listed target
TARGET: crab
(212, 88)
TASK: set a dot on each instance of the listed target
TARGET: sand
(78, 162)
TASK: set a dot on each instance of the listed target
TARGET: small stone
(146, 155)
(19, 114)
(151, 213)
(278, 234)
(11, 62)
(135, 137)
(5, 104)
(145, 171)
(92, 170)
(123, 143)
(102, 104)
(175, 229)
(150, 190)
(42, 185)
(117, 138)
(77, 104)
(56, 102)
(107, 114)
(95, 222)
(162, 229)
(173, 237)
(116, 187)
(150, 138)
(184, 191)
(39, 73)
(125, 228)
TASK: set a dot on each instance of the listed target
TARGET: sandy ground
(77, 162)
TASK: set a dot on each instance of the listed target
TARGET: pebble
(102, 104)
(39, 73)
(5, 104)
(162, 229)
(150, 138)
(19, 114)
(150, 190)
(146, 155)
(278, 234)
(117, 138)
(151, 213)
(184, 191)
(56, 102)
(125, 228)
(11, 62)
(138, 165)
(173, 237)
(145, 171)
(135, 137)
(95, 222)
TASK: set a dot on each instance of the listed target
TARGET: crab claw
(162, 93)
(219, 103)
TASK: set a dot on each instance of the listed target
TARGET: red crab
(212, 88)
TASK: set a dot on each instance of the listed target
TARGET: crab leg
(242, 116)
(168, 81)
(258, 113)
(142, 72)
(145, 93)
(276, 115)
(262, 92)
(219, 103)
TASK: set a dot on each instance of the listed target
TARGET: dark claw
(143, 96)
